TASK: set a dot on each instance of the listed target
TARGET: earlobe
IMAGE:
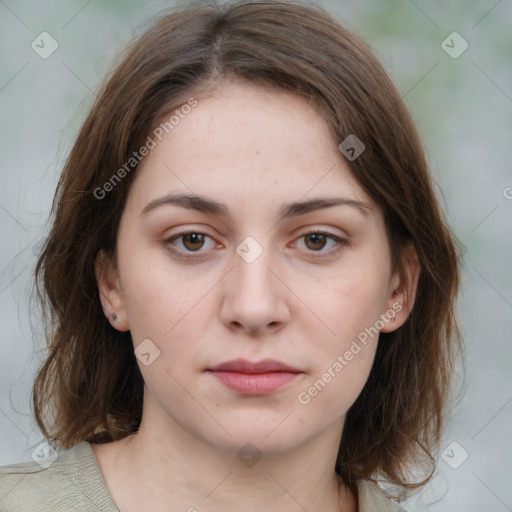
(403, 289)
(109, 291)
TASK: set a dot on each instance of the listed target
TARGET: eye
(317, 241)
(191, 242)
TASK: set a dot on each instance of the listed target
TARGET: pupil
(195, 239)
(318, 240)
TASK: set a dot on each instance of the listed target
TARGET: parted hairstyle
(89, 386)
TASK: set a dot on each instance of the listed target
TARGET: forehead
(242, 142)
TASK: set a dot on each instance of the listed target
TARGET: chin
(272, 438)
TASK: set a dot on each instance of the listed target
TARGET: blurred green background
(463, 108)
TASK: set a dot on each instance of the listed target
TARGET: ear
(107, 277)
(402, 291)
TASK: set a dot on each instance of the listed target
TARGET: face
(245, 238)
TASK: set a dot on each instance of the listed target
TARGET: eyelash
(341, 244)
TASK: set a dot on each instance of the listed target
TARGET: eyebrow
(209, 206)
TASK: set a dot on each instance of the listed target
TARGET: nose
(255, 300)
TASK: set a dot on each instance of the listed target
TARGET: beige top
(73, 483)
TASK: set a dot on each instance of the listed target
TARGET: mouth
(254, 378)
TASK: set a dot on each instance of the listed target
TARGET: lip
(254, 378)
(263, 366)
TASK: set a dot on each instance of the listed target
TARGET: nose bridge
(252, 275)
(254, 297)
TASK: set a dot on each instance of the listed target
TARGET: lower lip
(254, 383)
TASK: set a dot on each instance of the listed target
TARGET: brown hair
(90, 387)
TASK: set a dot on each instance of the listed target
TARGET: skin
(300, 302)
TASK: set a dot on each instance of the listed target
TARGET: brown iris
(318, 241)
(193, 241)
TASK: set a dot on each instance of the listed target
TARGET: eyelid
(323, 230)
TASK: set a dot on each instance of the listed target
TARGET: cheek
(349, 305)
(351, 300)
(341, 363)
(163, 303)
(168, 307)
(331, 392)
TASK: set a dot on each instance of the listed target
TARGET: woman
(250, 282)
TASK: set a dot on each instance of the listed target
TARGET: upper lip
(263, 366)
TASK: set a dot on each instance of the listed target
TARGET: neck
(153, 470)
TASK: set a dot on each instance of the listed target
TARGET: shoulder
(372, 499)
(67, 482)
